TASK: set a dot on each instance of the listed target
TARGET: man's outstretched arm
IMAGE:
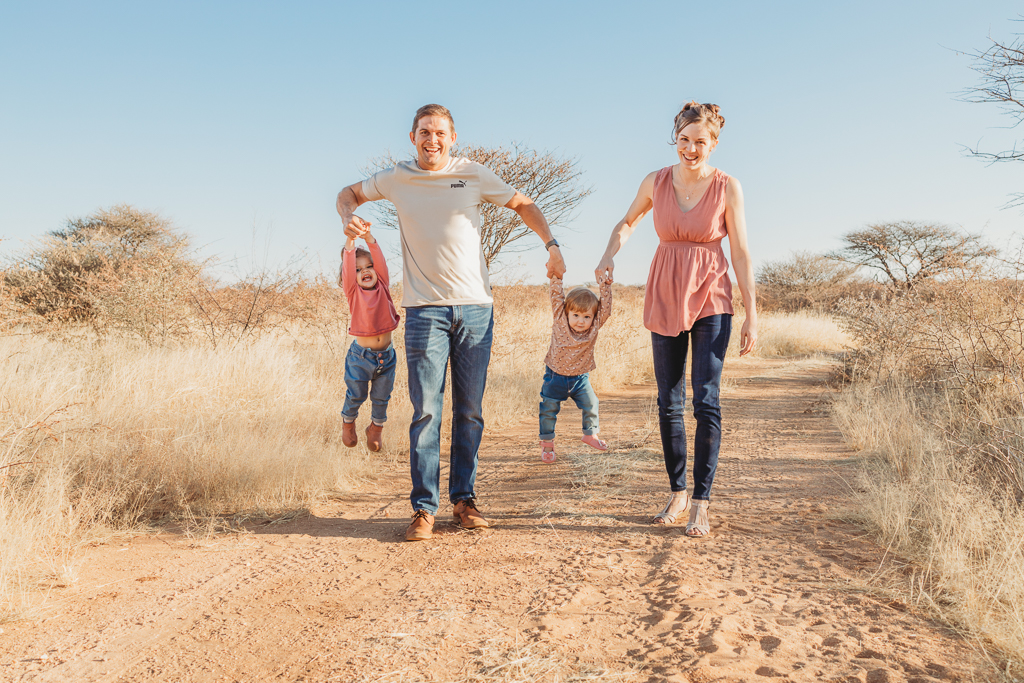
(350, 199)
(534, 220)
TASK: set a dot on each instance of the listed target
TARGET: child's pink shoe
(593, 441)
(547, 452)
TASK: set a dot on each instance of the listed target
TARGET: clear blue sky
(230, 117)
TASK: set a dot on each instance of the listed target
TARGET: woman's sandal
(699, 525)
(547, 452)
(678, 503)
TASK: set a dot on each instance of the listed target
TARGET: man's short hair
(432, 110)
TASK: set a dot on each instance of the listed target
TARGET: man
(447, 300)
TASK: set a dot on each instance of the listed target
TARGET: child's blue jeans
(370, 373)
(557, 388)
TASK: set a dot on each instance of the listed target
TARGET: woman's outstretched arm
(623, 229)
(736, 224)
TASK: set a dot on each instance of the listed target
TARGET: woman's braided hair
(704, 114)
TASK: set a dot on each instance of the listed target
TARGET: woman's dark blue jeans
(710, 338)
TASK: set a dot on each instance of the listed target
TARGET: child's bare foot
(547, 452)
(592, 440)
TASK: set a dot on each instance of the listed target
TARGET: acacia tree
(552, 182)
(909, 252)
(1001, 67)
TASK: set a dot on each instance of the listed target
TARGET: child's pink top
(572, 353)
(372, 310)
(689, 277)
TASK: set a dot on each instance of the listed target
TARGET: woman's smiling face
(694, 145)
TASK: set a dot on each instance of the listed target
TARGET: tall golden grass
(99, 434)
(802, 333)
(937, 406)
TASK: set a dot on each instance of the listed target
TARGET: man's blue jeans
(368, 373)
(710, 338)
(558, 388)
(435, 335)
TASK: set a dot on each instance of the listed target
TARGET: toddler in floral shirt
(578, 318)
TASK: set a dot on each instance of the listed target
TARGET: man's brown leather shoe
(348, 434)
(468, 516)
(422, 527)
(373, 436)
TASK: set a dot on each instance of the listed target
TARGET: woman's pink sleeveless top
(689, 277)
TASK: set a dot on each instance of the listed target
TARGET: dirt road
(571, 584)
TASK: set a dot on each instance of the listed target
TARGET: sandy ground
(571, 584)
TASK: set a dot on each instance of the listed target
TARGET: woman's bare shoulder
(732, 186)
(647, 185)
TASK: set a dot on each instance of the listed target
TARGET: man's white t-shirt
(439, 219)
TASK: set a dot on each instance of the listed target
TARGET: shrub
(938, 399)
(130, 272)
(119, 268)
(964, 333)
(809, 281)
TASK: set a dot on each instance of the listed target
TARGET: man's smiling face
(433, 138)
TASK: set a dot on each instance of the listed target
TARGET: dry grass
(794, 334)
(525, 663)
(39, 529)
(923, 499)
(937, 404)
(536, 664)
(105, 434)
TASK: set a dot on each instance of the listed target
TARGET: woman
(689, 298)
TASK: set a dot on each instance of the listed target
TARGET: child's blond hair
(582, 300)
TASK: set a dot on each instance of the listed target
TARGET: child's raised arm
(606, 299)
(557, 296)
(380, 265)
(347, 278)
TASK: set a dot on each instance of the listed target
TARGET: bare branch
(908, 252)
(1001, 70)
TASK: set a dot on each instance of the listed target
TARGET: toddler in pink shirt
(370, 363)
(577, 319)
